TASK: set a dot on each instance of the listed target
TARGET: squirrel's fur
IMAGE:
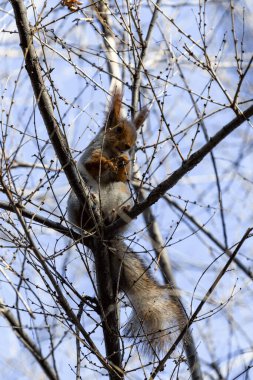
(105, 166)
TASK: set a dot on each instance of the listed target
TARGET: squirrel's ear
(115, 109)
(141, 117)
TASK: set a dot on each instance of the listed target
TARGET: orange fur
(105, 165)
(99, 165)
(123, 168)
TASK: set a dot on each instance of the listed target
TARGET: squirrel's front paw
(109, 165)
(123, 213)
(122, 161)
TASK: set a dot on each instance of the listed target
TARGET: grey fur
(154, 312)
(155, 315)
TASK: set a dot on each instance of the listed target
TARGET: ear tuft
(141, 117)
(116, 103)
(115, 109)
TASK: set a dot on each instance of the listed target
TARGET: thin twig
(26, 340)
(60, 145)
(201, 228)
(166, 270)
(201, 304)
(186, 166)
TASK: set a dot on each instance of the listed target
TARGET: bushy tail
(155, 314)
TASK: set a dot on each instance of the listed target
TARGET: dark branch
(47, 223)
(61, 148)
(160, 366)
(55, 134)
(29, 344)
(186, 166)
(166, 270)
(211, 237)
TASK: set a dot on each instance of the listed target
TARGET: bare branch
(28, 343)
(201, 304)
(186, 166)
(60, 145)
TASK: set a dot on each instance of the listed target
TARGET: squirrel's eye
(127, 146)
(119, 129)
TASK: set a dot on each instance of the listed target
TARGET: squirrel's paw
(123, 213)
(109, 165)
(120, 212)
(122, 161)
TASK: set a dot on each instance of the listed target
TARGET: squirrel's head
(120, 133)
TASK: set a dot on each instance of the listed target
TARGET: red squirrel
(106, 166)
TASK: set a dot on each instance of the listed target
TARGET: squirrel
(106, 167)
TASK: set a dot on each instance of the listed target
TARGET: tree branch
(28, 343)
(55, 134)
(160, 366)
(61, 148)
(166, 270)
(201, 228)
(58, 291)
(47, 223)
(186, 166)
